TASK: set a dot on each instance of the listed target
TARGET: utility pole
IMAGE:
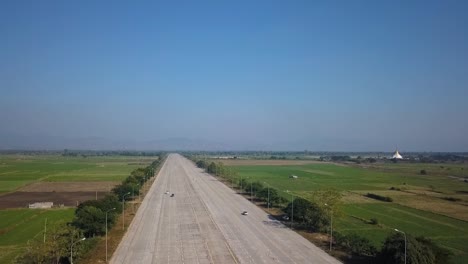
(292, 207)
(45, 229)
(106, 230)
(331, 226)
(71, 248)
(404, 234)
(268, 188)
(123, 210)
(251, 193)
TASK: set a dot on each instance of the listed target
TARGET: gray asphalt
(202, 223)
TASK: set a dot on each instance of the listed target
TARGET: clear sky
(316, 75)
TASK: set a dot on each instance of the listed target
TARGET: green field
(17, 226)
(19, 170)
(20, 225)
(418, 207)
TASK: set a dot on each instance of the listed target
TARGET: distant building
(42, 205)
(293, 177)
(397, 155)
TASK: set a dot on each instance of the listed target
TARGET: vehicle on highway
(285, 217)
(167, 192)
(172, 195)
(245, 213)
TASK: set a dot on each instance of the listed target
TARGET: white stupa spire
(397, 155)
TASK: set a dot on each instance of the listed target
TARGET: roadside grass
(443, 169)
(19, 170)
(450, 232)
(17, 226)
(427, 215)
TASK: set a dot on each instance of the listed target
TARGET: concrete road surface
(203, 223)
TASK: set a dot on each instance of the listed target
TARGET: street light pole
(240, 191)
(139, 193)
(268, 188)
(45, 229)
(292, 215)
(251, 193)
(404, 234)
(106, 229)
(123, 210)
(71, 248)
(292, 207)
(331, 227)
(133, 195)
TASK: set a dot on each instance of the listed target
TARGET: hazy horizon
(249, 75)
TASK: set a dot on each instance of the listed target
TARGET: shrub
(91, 220)
(423, 172)
(201, 164)
(419, 250)
(452, 199)
(355, 244)
(308, 214)
(374, 221)
(379, 197)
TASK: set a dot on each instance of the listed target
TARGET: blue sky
(317, 75)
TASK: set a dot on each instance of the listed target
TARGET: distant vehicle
(172, 195)
(167, 192)
(285, 217)
(245, 213)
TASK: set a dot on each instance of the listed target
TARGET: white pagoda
(397, 155)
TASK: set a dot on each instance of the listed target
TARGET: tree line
(315, 213)
(89, 222)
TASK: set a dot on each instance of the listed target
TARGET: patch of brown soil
(22, 199)
(105, 186)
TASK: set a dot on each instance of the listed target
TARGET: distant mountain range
(45, 142)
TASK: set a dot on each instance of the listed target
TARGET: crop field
(63, 180)
(17, 226)
(433, 205)
(17, 171)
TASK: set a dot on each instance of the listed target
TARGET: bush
(91, 220)
(419, 250)
(56, 248)
(275, 198)
(379, 197)
(201, 164)
(355, 244)
(308, 214)
(121, 190)
(452, 199)
(423, 172)
(374, 221)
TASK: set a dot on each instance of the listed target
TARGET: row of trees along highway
(315, 213)
(64, 241)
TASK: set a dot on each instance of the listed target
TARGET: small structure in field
(41, 205)
(397, 155)
(292, 176)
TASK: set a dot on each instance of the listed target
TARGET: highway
(202, 223)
